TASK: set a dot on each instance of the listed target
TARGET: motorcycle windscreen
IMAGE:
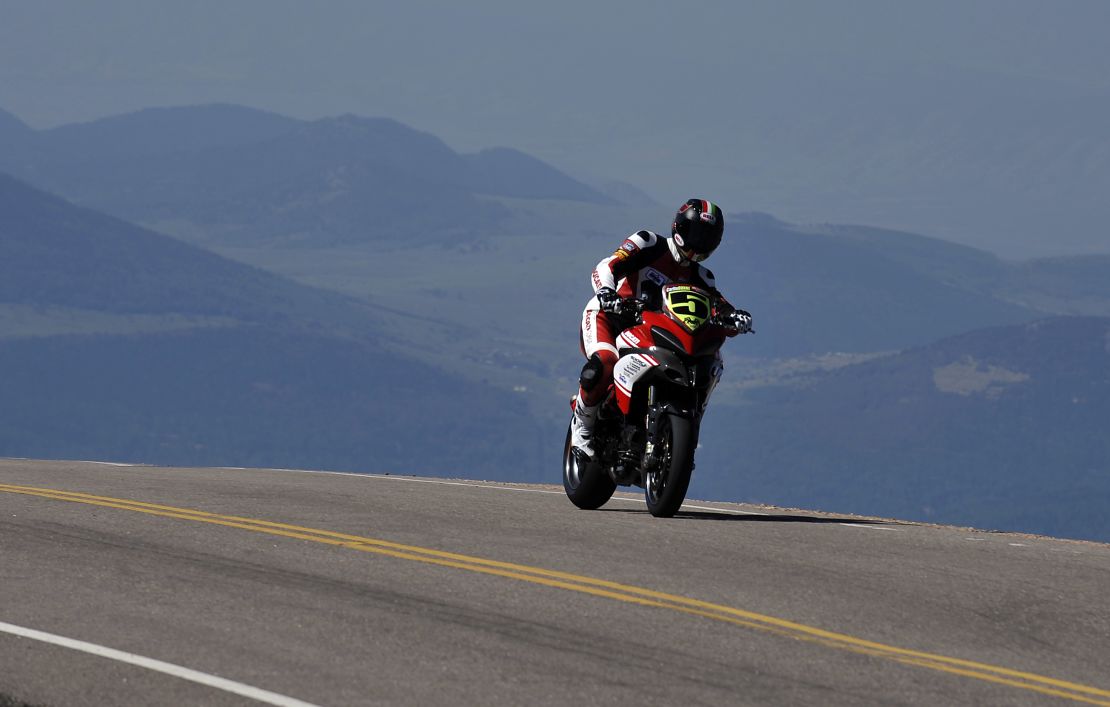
(688, 305)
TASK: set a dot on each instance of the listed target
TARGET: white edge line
(730, 511)
(177, 671)
(490, 486)
(872, 527)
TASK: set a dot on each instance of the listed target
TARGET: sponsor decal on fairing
(629, 339)
(629, 370)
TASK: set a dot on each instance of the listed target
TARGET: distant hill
(325, 183)
(1000, 428)
(231, 175)
(255, 396)
(1076, 285)
(215, 362)
(506, 172)
(813, 290)
(55, 254)
(158, 131)
(18, 142)
(1065, 285)
(849, 289)
(11, 125)
(625, 193)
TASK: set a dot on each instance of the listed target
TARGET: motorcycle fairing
(629, 369)
(688, 305)
(637, 363)
(666, 339)
(670, 344)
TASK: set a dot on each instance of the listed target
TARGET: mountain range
(308, 198)
(1004, 427)
(124, 344)
(240, 175)
(228, 286)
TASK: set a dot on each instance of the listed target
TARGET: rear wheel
(587, 487)
(665, 486)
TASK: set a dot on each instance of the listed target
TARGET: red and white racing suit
(644, 259)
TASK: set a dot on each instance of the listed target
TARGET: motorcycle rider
(642, 265)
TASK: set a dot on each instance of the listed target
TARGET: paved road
(343, 589)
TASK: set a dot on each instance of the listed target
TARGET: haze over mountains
(983, 123)
(365, 297)
(1016, 165)
(278, 192)
(249, 176)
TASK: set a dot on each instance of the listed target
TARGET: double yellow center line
(600, 588)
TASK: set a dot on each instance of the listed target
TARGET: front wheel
(587, 487)
(665, 486)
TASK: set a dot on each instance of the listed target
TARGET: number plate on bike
(688, 305)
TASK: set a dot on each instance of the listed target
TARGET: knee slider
(591, 373)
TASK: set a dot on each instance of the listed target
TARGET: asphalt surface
(724, 604)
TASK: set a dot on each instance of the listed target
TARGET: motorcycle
(647, 428)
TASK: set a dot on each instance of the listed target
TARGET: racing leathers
(640, 266)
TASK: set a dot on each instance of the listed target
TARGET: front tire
(665, 486)
(588, 488)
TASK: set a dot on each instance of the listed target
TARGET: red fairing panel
(631, 367)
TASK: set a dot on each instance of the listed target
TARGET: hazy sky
(669, 96)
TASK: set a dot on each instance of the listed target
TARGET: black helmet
(697, 229)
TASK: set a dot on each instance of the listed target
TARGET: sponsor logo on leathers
(655, 276)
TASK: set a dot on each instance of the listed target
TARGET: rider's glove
(609, 300)
(740, 321)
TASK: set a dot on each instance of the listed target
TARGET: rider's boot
(582, 429)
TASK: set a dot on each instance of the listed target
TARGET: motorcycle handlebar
(633, 308)
(633, 304)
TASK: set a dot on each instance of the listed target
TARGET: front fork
(653, 419)
(651, 426)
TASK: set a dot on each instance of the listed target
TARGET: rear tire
(588, 488)
(665, 488)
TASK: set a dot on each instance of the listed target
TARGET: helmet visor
(692, 255)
